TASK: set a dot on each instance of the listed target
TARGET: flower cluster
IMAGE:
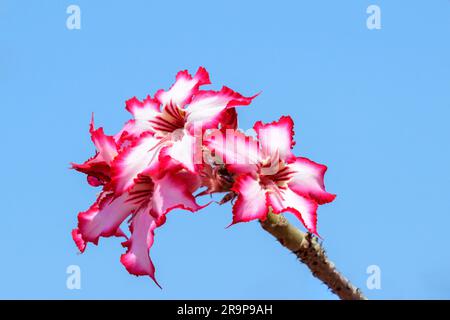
(182, 144)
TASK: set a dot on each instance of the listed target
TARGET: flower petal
(207, 106)
(103, 218)
(98, 172)
(251, 201)
(141, 156)
(170, 192)
(105, 145)
(276, 138)
(98, 167)
(287, 200)
(184, 88)
(137, 260)
(228, 119)
(143, 110)
(185, 151)
(174, 190)
(240, 153)
(307, 180)
(170, 119)
(78, 239)
(132, 130)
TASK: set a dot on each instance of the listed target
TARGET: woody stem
(310, 252)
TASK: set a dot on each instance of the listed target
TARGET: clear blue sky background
(372, 105)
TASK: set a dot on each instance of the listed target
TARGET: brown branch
(310, 252)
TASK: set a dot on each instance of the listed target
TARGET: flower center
(274, 174)
(171, 118)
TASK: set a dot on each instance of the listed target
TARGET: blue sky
(374, 105)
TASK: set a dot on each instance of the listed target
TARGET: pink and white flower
(171, 125)
(268, 175)
(159, 160)
(147, 203)
(98, 168)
